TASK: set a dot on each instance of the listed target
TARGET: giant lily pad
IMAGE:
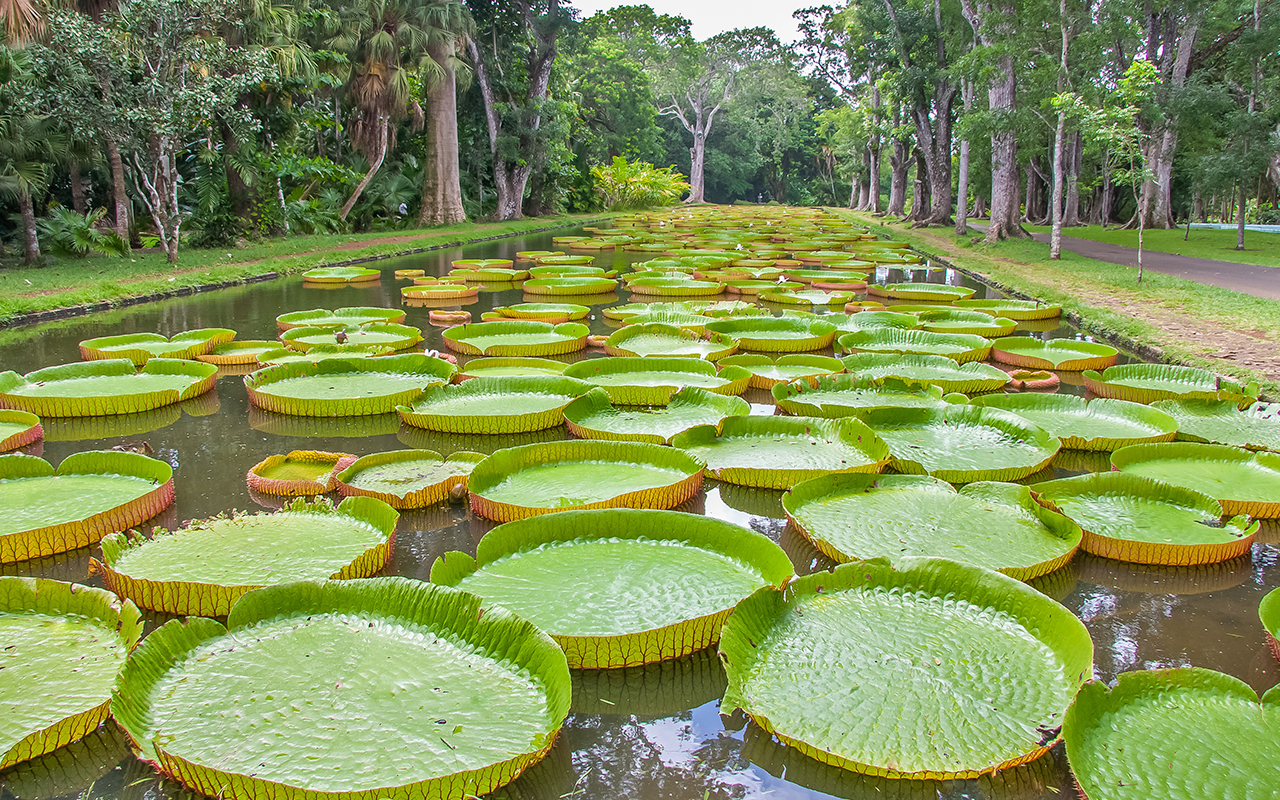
(1146, 383)
(769, 371)
(383, 334)
(1054, 354)
(779, 452)
(517, 338)
(440, 291)
(338, 318)
(407, 478)
(652, 381)
(619, 587)
(951, 320)
(806, 297)
(1144, 521)
(497, 695)
(958, 346)
(999, 526)
(935, 669)
(656, 339)
(142, 347)
(1159, 732)
(570, 270)
(1099, 424)
(297, 473)
(64, 646)
(345, 387)
(929, 292)
(544, 312)
(570, 285)
(324, 352)
(1244, 482)
(238, 353)
(790, 334)
(202, 568)
(515, 367)
(963, 443)
(1019, 310)
(675, 287)
(832, 396)
(971, 378)
(544, 478)
(477, 273)
(594, 416)
(1222, 422)
(494, 405)
(102, 388)
(338, 275)
(44, 511)
(875, 319)
(18, 429)
(681, 319)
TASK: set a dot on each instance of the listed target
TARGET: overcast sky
(710, 17)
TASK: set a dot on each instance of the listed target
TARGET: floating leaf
(341, 275)
(1099, 424)
(957, 346)
(655, 339)
(1146, 383)
(510, 367)
(142, 347)
(237, 353)
(971, 378)
(833, 396)
(374, 334)
(297, 473)
(652, 380)
(102, 388)
(570, 285)
(1222, 422)
(593, 416)
(1053, 354)
(792, 334)
(324, 352)
(1019, 310)
(18, 429)
(344, 387)
(338, 318)
(930, 292)
(544, 312)
(1244, 482)
(406, 478)
(494, 405)
(769, 371)
(517, 338)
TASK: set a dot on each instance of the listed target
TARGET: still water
(643, 733)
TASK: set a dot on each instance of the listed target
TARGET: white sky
(710, 17)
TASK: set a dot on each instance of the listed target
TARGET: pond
(642, 733)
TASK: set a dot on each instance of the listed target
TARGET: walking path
(1245, 278)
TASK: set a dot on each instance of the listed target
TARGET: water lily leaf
(570, 285)
(497, 694)
(324, 352)
(833, 396)
(345, 387)
(791, 334)
(806, 297)
(203, 567)
(1020, 310)
(680, 319)
(769, 371)
(1159, 731)
(1269, 613)
(570, 270)
(44, 511)
(930, 292)
(874, 319)
(594, 416)
(64, 646)
(957, 346)
(668, 341)
(1144, 521)
(544, 478)
(18, 429)
(544, 312)
(439, 291)
(675, 287)
(237, 353)
(999, 526)
(517, 338)
(494, 405)
(1222, 422)
(1053, 354)
(406, 478)
(963, 443)
(385, 334)
(71, 767)
(510, 367)
(935, 669)
(619, 587)
(484, 274)
(779, 452)
(103, 388)
(970, 378)
(338, 318)
(142, 347)
(297, 473)
(1099, 424)
(341, 275)
(1244, 482)
(952, 320)
(1146, 383)
(650, 381)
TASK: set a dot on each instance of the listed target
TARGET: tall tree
(449, 28)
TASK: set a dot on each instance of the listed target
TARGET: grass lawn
(1260, 248)
(71, 282)
(1218, 329)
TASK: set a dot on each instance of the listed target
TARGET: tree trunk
(697, 157)
(1002, 98)
(30, 242)
(921, 196)
(1197, 207)
(118, 191)
(77, 188)
(1071, 210)
(857, 192)
(441, 175)
(1055, 202)
(962, 179)
(1156, 202)
(374, 165)
(873, 182)
(1240, 219)
(898, 166)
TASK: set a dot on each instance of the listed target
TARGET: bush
(69, 234)
(638, 184)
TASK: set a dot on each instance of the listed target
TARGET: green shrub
(638, 184)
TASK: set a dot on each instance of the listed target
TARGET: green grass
(1260, 248)
(60, 283)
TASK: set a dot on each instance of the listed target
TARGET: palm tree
(28, 145)
(450, 26)
(22, 21)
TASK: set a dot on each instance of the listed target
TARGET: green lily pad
(970, 378)
(769, 371)
(934, 669)
(1053, 354)
(680, 319)
(675, 287)
(806, 297)
(341, 275)
(958, 346)
(18, 429)
(789, 334)
(481, 263)
(1020, 310)
(406, 478)
(1222, 422)
(570, 270)
(1160, 731)
(619, 587)
(323, 352)
(1099, 424)
(202, 568)
(1244, 482)
(142, 347)
(864, 320)
(238, 353)
(510, 367)
(497, 695)
(963, 443)
(929, 292)
(482, 274)
(383, 334)
(338, 318)
(544, 478)
(1269, 613)
(566, 259)
(517, 338)
(64, 646)
(1144, 521)
(779, 452)
(723, 309)
(103, 388)
(656, 339)
(999, 526)
(594, 416)
(439, 291)
(543, 311)
(494, 405)
(1146, 383)
(345, 387)
(652, 380)
(570, 285)
(952, 320)
(834, 396)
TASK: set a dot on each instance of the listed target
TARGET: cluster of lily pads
(905, 457)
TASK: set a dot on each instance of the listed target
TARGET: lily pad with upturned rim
(494, 405)
(970, 378)
(500, 685)
(789, 334)
(807, 297)
(406, 478)
(845, 395)
(299, 473)
(1144, 521)
(932, 292)
(1099, 424)
(875, 319)
(345, 387)
(338, 318)
(652, 380)
(142, 347)
(673, 287)
(668, 341)
(1244, 482)
(1222, 422)
(960, 347)
(488, 274)
(779, 452)
(833, 663)
(18, 429)
(440, 291)
(238, 353)
(517, 338)
(513, 366)
(952, 320)
(324, 352)
(686, 320)
(619, 587)
(341, 275)
(104, 388)
(1018, 310)
(65, 645)
(1269, 613)
(544, 311)
(998, 526)
(1146, 383)
(375, 334)
(1053, 354)
(594, 416)
(570, 285)
(768, 371)
(544, 478)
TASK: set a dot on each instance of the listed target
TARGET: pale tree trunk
(119, 193)
(874, 147)
(898, 166)
(1240, 219)
(1156, 202)
(441, 178)
(697, 160)
(1055, 201)
(77, 188)
(30, 242)
(921, 199)
(375, 164)
(873, 182)
(962, 179)
(855, 189)
(864, 185)
(1071, 210)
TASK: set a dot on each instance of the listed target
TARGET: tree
(28, 144)
(449, 27)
